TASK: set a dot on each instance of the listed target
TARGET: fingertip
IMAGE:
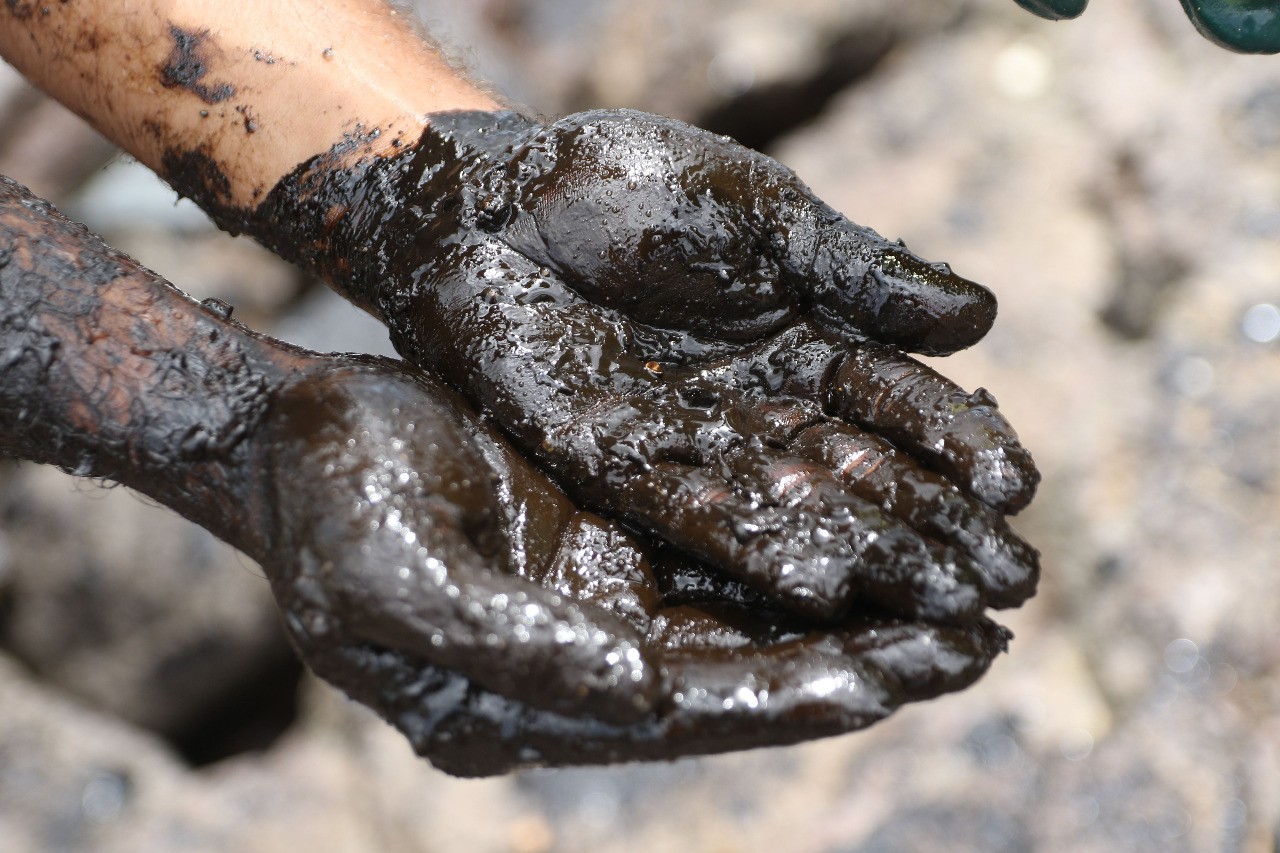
(961, 435)
(884, 292)
(1009, 568)
(932, 587)
(927, 308)
(1005, 478)
(929, 660)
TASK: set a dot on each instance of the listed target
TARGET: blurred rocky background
(1116, 181)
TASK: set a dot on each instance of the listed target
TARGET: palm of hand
(436, 577)
(678, 331)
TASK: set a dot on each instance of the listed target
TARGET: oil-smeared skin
(108, 372)
(74, 408)
(186, 67)
(731, 677)
(401, 544)
(610, 287)
(421, 565)
(728, 693)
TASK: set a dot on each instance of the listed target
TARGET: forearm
(225, 98)
(107, 371)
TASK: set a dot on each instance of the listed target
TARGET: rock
(130, 608)
(713, 63)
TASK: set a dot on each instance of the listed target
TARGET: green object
(1058, 10)
(1245, 26)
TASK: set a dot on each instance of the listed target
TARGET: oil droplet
(653, 367)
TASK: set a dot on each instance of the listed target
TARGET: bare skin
(258, 87)
(419, 563)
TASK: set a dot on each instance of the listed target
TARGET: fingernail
(1245, 26)
(1054, 10)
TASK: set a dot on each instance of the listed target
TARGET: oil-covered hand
(1245, 26)
(690, 341)
(420, 564)
(432, 574)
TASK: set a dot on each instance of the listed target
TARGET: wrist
(365, 221)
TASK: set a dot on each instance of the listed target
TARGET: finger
(507, 635)
(459, 727)
(563, 549)
(873, 470)
(787, 529)
(595, 563)
(727, 695)
(962, 435)
(814, 685)
(1007, 567)
(560, 375)
(468, 731)
(860, 285)
(1054, 10)
(394, 535)
(926, 416)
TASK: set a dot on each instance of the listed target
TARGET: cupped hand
(427, 570)
(420, 564)
(689, 341)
